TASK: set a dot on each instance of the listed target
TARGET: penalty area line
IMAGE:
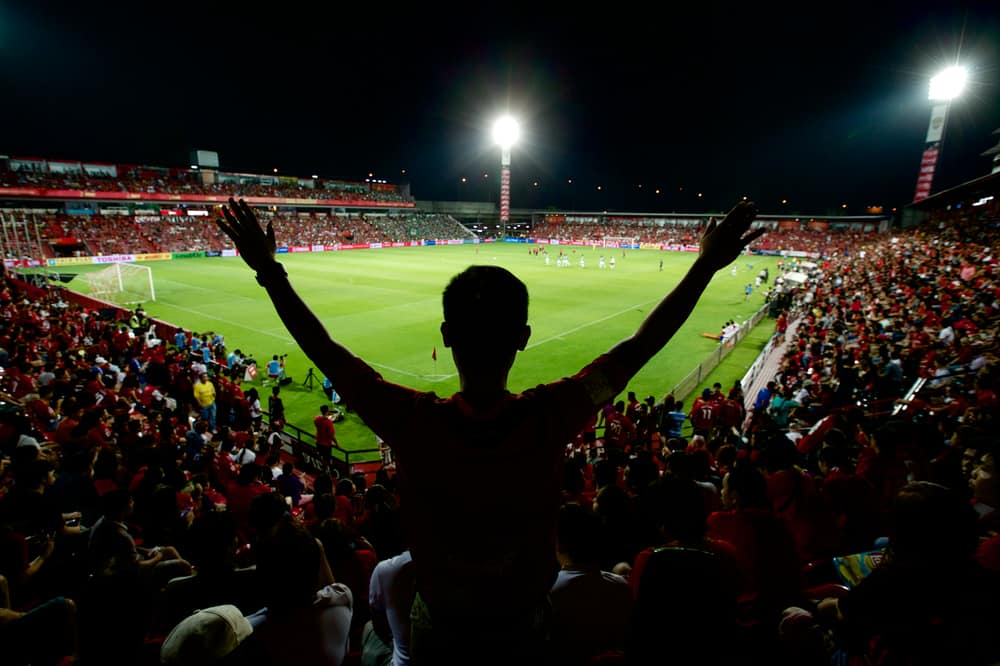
(560, 336)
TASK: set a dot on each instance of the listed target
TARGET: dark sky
(821, 105)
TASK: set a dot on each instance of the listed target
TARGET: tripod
(310, 382)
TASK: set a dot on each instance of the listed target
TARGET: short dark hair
(485, 304)
(115, 502)
(579, 533)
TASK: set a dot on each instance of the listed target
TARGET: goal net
(122, 283)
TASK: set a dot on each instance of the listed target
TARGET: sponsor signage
(70, 261)
(928, 164)
(114, 258)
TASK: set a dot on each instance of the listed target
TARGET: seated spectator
(211, 545)
(929, 602)
(766, 555)
(45, 634)
(351, 561)
(386, 639)
(291, 486)
(307, 618)
(591, 608)
(113, 552)
(678, 509)
(240, 493)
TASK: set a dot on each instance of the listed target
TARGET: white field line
(560, 336)
(231, 323)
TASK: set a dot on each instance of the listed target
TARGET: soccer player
(612, 263)
(581, 261)
(600, 262)
(482, 555)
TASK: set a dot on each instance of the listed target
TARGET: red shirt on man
(324, 431)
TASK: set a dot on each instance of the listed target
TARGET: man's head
(324, 409)
(117, 503)
(485, 312)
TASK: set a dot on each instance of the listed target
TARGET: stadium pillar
(504, 190)
(944, 88)
(505, 132)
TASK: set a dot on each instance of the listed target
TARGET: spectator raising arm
(721, 244)
(257, 247)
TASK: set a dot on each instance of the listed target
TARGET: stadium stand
(878, 420)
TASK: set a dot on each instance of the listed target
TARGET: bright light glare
(506, 131)
(948, 84)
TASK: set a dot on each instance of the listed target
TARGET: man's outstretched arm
(721, 244)
(257, 248)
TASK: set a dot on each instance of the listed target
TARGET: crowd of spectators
(745, 527)
(679, 233)
(183, 181)
(121, 234)
(687, 232)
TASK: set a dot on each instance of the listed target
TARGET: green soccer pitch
(385, 306)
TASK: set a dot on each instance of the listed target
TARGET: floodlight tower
(945, 87)
(505, 132)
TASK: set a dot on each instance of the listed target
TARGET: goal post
(122, 283)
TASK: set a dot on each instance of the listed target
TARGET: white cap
(205, 637)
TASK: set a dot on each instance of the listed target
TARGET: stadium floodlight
(945, 88)
(949, 84)
(506, 132)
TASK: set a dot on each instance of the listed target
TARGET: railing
(690, 382)
(302, 444)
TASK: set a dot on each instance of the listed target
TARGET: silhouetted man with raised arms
(479, 473)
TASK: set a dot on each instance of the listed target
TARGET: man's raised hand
(255, 245)
(723, 242)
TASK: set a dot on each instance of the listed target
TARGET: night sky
(823, 105)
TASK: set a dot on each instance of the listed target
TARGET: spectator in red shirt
(703, 413)
(240, 494)
(483, 565)
(326, 434)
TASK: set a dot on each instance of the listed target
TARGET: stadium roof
(978, 187)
